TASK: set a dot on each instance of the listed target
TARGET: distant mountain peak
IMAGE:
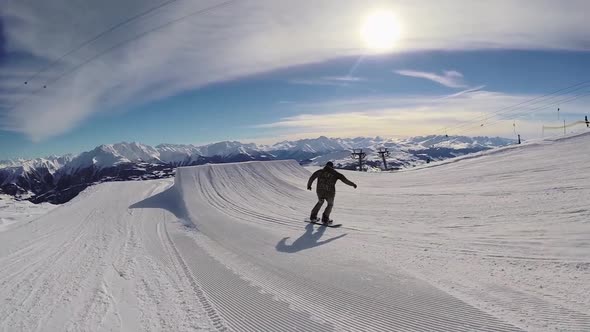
(58, 179)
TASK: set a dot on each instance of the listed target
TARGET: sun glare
(380, 31)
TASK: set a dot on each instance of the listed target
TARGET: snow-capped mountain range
(57, 179)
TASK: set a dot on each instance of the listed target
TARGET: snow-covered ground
(496, 242)
(13, 212)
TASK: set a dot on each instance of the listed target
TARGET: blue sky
(324, 85)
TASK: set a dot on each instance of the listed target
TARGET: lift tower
(384, 153)
(358, 153)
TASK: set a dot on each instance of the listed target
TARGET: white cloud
(243, 38)
(474, 113)
(345, 79)
(451, 78)
(317, 82)
(341, 81)
(469, 90)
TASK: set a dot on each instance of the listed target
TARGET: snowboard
(322, 224)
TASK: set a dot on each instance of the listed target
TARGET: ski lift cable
(528, 111)
(565, 100)
(139, 36)
(473, 127)
(509, 108)
(98, 36)
(519, 106)
(565, 125)
(519, 110)
(116, 46)
(536, 100)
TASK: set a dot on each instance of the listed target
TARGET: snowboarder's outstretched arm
(312, 178)
(348, 182)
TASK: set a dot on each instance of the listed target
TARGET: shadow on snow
(308, 240)
(169, 200)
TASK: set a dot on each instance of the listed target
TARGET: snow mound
(500, 226)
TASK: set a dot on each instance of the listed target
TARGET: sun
(380, 31)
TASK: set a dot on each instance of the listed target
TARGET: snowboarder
(587, 122)
(326, 190)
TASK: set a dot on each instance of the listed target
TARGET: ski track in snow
(494, 243)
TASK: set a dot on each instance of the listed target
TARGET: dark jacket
(327, 178)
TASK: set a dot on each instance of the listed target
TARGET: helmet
(330, 164)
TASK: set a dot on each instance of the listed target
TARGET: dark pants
(318, 206)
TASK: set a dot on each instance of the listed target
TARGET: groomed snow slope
(499, 243)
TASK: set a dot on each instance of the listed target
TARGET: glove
(354, 185)
(308, 188)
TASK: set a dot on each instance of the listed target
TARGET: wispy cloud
(345, 79)
(418, 115)
(341, 81)
(449, 78)
(470, 90)
(316, 81)
(244, 38)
